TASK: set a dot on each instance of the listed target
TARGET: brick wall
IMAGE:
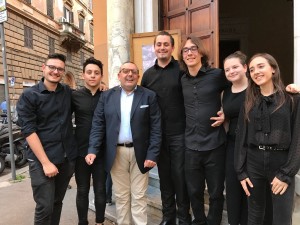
(24, 63)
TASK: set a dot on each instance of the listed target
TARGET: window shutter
(81, 24)
(71, 17)
(28, 37)
(92, 35)
(51, 45)
(65, 12)
(50, 8)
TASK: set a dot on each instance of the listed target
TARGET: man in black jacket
(44, 114)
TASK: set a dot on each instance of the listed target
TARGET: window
(68, 14)
(50, 8)
(81, 58)
(28, 1)
(81, 20)
(69, 55)
(91, 35)
(51, 45)
(28, 37)
(81, 24)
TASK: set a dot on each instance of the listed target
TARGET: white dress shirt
(125, 135)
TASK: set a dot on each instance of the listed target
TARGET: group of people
(173, 120)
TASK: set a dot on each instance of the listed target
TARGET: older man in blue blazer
(127, 121)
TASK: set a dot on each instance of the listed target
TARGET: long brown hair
(201, 49)
(253, 90)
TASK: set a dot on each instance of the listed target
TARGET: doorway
(226, 47)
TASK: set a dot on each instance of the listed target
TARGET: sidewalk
(17, 205)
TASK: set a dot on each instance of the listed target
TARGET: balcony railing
(71, 36)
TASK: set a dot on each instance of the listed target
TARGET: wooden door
(195, 17)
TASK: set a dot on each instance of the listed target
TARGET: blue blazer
(145, 126)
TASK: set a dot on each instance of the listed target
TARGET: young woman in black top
(235, 68)
(267, 145)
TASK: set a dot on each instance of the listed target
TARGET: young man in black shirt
(204, 141)
(44, 114)
(164, 78)
(84, 102)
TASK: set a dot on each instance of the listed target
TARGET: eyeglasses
(53, 68)
(126, 71)
(193, 49)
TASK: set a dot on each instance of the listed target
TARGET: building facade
(37, 28)
(225, 26)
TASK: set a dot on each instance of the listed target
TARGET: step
(154, 207)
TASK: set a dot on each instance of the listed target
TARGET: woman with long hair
(235, 68)
(267, 150)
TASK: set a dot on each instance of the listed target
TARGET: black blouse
(232, 103)
(273, 128)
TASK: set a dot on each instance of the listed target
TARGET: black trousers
(83, 174)
(172, 179)
(236, 199)
(262, 167)
(48, 193)
(108, 187)
(209, 167)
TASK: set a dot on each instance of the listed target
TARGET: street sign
(2, 5)
(3, 16)
(12, 81)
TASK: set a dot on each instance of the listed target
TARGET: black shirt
(166, 83)
(48, 114)
(84, 104)
(278, 128)
(232, 103)
(202, 100)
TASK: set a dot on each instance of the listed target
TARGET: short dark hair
(56, 56)
(165, 33)
(92, 60)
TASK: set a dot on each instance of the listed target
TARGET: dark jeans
(108, 187)
(209, 166)
(48, 193)
(262, 167)
(236, 199)
(83, 173)
(172, 179)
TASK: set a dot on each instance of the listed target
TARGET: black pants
(48, 193)
(236, 199)
(262, 167)
(83, 173)
(172, 179)
(108, 188)
(209, 166)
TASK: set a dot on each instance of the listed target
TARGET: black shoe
(108, 202)
(168, 222)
